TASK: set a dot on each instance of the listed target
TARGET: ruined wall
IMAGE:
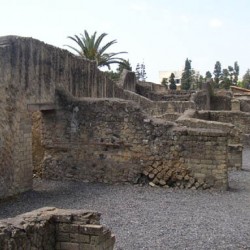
(127, 80)
(157, 92)
(244, 105)
(220, 102)
(235, 139)
(30, 71)
(156, 108)
(241, 120)
(111, 140)
(200, 98)
(51, 228)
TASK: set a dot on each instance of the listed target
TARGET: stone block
(91, 229)
(69, 246)
(80, 238)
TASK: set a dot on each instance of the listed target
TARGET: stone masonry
(113, 140)
(30, 71)
(55, 229)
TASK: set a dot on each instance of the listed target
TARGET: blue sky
(162, 33)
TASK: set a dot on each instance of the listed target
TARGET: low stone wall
(240, 120)
(235, 139)
(52, 228)
(155, 108)
(157, 92)
(112, 140)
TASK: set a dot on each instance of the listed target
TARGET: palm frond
(90, 48)
(106, 46)
(99, 40)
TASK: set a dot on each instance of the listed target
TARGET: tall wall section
(30, 71)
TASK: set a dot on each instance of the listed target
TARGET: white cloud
(215, 23)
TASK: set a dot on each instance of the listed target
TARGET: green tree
(125, 65)
(236, 72)
(217, 74)
(231, 74)
(246, 80)
(187, 75)
(164, 82)
(226, 81)
(172, 84)
(199, 82)
(90, 48)
(208, 75)
(115, 75)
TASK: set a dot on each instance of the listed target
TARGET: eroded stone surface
(52, 228)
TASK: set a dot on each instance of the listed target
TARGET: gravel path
(154, 218)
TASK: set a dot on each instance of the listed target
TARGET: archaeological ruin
(64, 119)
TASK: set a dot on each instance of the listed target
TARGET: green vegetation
(246, 80)
(115, 75)
(90, 48)
(172, 82)
(187, 76)
(164, 82)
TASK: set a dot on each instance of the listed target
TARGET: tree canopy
(89, 47)
(187, 75)
(172, 84)
(246, 80)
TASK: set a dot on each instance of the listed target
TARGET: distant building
(166, 75)
(177, 73)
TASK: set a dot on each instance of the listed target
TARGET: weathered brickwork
(106, 140)
(240, 120)
(111, 141)
(55, 229)
(30, 71)
(235, 136)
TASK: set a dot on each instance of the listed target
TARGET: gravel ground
(154, 218)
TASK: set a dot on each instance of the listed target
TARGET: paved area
(154, 218)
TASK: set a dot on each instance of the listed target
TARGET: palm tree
(90, 48)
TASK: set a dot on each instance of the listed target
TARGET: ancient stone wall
(220, 102)
(200, 98)
(241, 120)
(157, 92)
(112, 140)
(156, 108)
(244, 105)
(235, 146)
(30, 71)
(51, 228)
(127, 80)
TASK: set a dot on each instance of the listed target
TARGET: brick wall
(112, 140)
(51, 228)
(30, 71)
(241, 120)
(235, 136)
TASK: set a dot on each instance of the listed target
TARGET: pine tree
(140, 72)
(217, 74)
(186, 79)
(164, 82)
(172, 82)
(236, 72)
(246, 80)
